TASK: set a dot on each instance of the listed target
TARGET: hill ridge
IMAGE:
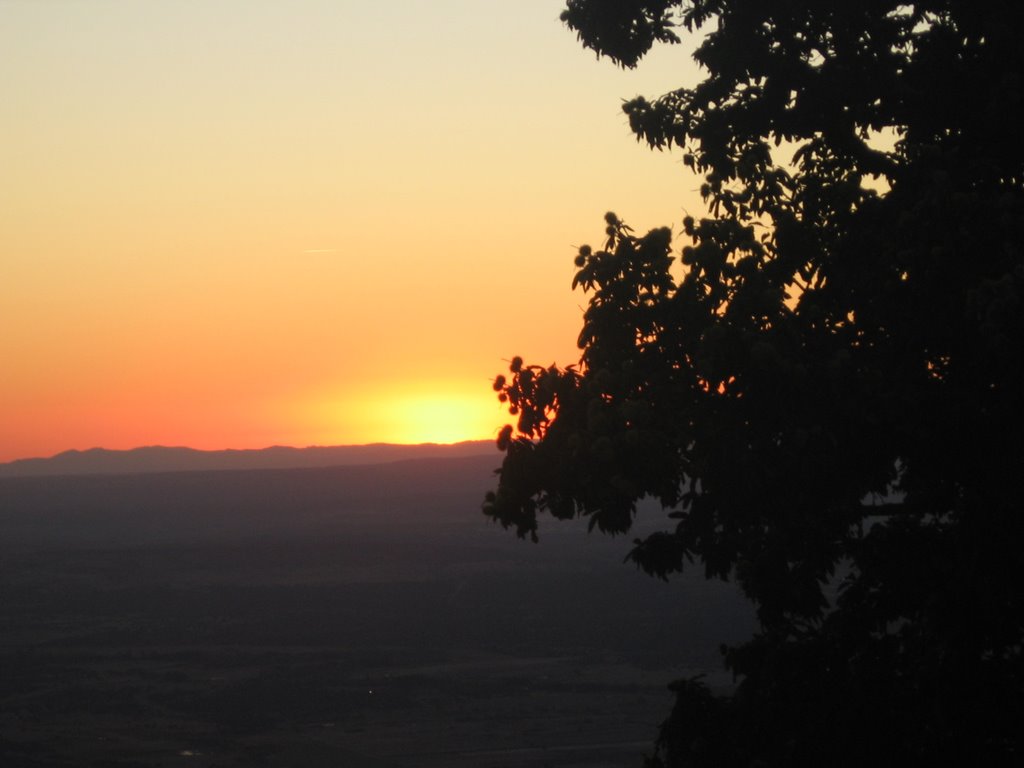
(159, 458)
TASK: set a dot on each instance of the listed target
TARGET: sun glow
(428, 415)
(440, 419)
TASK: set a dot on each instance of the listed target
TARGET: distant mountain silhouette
(100, 461)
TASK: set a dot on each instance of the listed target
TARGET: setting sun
(439, 419)
(434, 414)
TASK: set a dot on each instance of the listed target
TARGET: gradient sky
(239, 223)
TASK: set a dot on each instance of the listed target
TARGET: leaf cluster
(820, 381)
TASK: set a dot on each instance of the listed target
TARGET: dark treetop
(823, 385)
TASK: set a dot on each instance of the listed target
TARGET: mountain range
(149, 459)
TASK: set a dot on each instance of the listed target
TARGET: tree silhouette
(824, 390)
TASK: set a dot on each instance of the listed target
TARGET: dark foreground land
(356, 617)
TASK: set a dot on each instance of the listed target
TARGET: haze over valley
(363, 615)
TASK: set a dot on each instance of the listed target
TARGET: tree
(824, 390)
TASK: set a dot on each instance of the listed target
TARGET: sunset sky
(240, 223)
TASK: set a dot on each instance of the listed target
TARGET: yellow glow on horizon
(438, 419)
(425, 413)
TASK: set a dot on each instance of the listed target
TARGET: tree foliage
(822, 386)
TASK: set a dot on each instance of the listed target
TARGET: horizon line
(375, 444)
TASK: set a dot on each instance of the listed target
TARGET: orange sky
(238, 223)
